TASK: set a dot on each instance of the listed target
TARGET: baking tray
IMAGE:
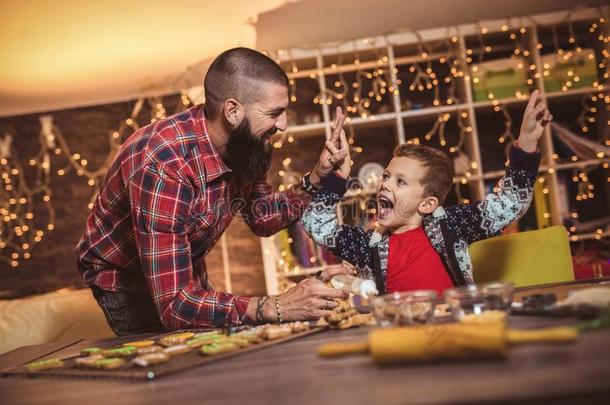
(129, 371)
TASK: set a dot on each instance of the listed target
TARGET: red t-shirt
(413, 264)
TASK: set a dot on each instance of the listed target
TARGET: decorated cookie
(176, 339)
(239, 341)
(203, 340)
(253, 338)
(45, 365)
(140, 343)
(218, 348)
(120, 351)
(150, 359)
(88, 361)
(216, 332)
(90, 351)
(176, 349)
(149, 349)
(108, 363)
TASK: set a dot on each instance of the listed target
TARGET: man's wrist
(269, 313)
(308, 185)
(314, 179)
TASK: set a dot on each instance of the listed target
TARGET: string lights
(26, 211)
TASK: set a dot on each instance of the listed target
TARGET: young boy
(418, 243)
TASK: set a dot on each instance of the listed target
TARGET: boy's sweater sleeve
(487, 217)
(350, 243)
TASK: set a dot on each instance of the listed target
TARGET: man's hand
(308, 300)
(335, 154)
(535, 118)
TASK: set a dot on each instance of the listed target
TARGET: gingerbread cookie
(273, 332)
(355, 321)
(298, 326)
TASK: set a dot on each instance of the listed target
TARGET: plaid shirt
(165, 201)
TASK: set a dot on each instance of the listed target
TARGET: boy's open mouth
(385, 206)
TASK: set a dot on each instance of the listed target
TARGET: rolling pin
(455, 341)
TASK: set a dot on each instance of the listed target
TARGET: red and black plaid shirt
(166, 200)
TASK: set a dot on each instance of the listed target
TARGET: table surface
(292, 373)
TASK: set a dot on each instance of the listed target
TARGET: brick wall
(52, 264)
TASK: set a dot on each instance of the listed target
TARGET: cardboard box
(571, 69)
(499, 79)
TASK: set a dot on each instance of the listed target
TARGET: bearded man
(175, 186)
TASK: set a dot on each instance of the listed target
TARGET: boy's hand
(341, 159)
(535, 118)
(335, 269)
(331, 156)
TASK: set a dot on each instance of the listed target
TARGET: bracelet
(277, 308)
(259, 309)
(306, 184)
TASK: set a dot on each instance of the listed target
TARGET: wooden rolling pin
(455, 341)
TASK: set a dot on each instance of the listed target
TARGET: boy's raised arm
(486, 218)
(320, 218)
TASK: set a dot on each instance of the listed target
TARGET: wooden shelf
(492, 103)
(399, 118)
(576, 92)
(496, 174)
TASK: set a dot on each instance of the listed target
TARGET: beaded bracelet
(277, 308)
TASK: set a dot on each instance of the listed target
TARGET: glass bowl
(475, 300)
(404, 308)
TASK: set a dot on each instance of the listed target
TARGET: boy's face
(400, 195)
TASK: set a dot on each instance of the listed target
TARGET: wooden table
(292, 373)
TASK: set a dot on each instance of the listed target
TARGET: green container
(569, 70)
(502, 78)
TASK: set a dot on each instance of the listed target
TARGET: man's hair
(236, 73)
(438, 177)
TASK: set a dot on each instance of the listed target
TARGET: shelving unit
(391, 54)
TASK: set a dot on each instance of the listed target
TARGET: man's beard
(249, 156)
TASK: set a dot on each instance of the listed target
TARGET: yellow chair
(525, 258)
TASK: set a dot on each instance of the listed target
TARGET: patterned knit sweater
(450, 230)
